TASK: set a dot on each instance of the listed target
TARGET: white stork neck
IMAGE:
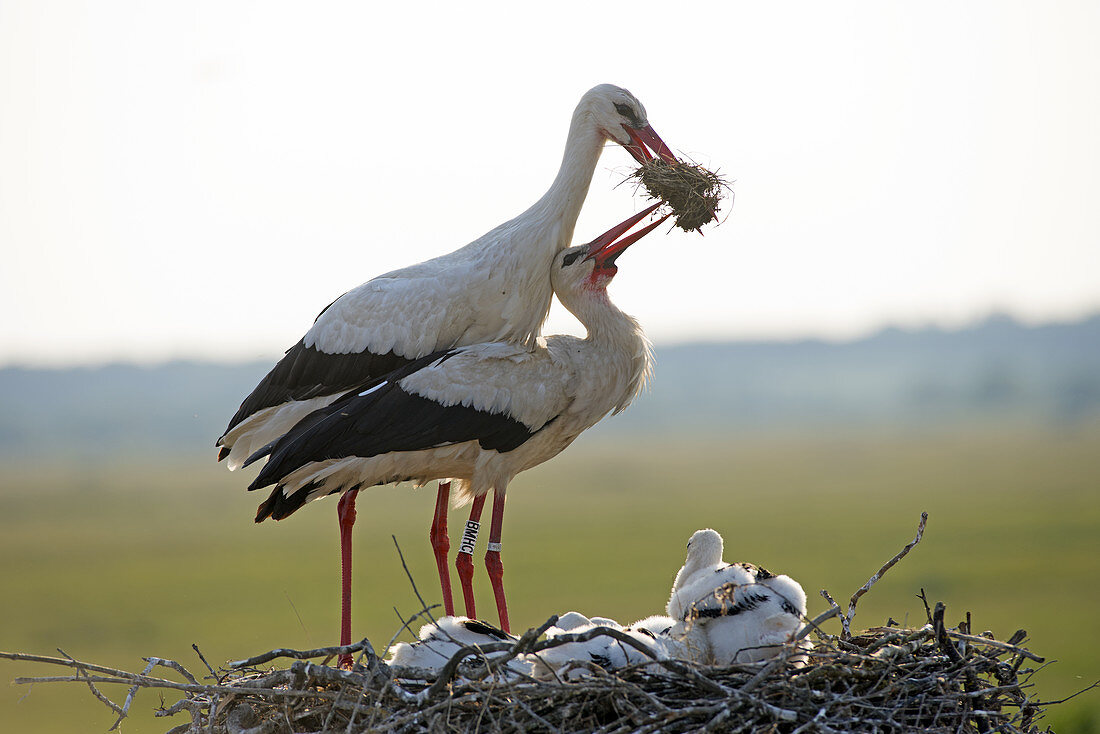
(563, 200)
(602, 318)
(615, 337)
(704, 549)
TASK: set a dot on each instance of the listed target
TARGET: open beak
(646, 144)
(604, 249)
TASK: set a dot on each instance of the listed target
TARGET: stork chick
(746, 612)
(439, 641)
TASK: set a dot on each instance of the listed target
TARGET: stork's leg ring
(346, 512)
(493, 563)
(441, 545)
(465, 560)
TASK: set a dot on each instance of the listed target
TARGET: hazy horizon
(980, 321)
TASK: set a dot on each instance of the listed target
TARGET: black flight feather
(307, 372)
(382, 417)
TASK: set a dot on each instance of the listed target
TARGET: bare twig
(406, 622)
(283, 652)
(423, 604)
(82, 674)
(846, 620)
(125, 709)
(927, 609)
(66, 661)
(198, 652)
(1086, 689)
(815, 623)
(974, 640)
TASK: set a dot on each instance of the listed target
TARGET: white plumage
(704, 558)
(545, 395)
(439, 641)
(747, 613)
(605, 651)
(775, 609)
(571, 621)
(719, 614)
(493, 289)
(478, 415)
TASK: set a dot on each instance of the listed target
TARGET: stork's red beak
(644, 140)
(604, 249)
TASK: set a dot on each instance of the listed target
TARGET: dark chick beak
(605, 249)
(644, 140)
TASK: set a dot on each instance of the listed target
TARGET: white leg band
(494, 547)
(469, 537)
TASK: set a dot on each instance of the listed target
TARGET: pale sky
(199, 179)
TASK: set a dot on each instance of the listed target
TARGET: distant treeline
(996, 371)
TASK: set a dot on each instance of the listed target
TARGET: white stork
(440, 640)
(746, 611)
(493, 289)
(477, 414)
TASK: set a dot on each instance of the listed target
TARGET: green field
(122, 558)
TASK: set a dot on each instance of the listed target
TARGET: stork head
(592, 266)
(621, 117)
(704, 548)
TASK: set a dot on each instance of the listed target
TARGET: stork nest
(884, 679)
(693, 192)
(929, 679)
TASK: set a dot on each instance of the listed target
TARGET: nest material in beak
(692, 191)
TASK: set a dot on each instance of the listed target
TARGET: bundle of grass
(693, 192)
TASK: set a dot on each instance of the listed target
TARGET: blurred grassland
(125, 557)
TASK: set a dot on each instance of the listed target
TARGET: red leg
(346, 511)
(441, 544)
(492, 559)
(464, 562)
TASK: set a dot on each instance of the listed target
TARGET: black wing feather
(385, 419)
(307, 372)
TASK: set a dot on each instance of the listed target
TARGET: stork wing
(488, 392)
(368, 332)
(525, 384)
(307, 372)
(729, 600)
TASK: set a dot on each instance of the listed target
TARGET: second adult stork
(478, 414)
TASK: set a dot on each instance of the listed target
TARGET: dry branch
(846, 620)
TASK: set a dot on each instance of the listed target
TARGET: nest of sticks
(930, 679)
(884, 679)
(691, 191)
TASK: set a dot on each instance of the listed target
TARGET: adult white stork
(478, 414)
(494, 289)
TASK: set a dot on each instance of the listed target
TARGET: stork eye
(626, 111)
(571, 258)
